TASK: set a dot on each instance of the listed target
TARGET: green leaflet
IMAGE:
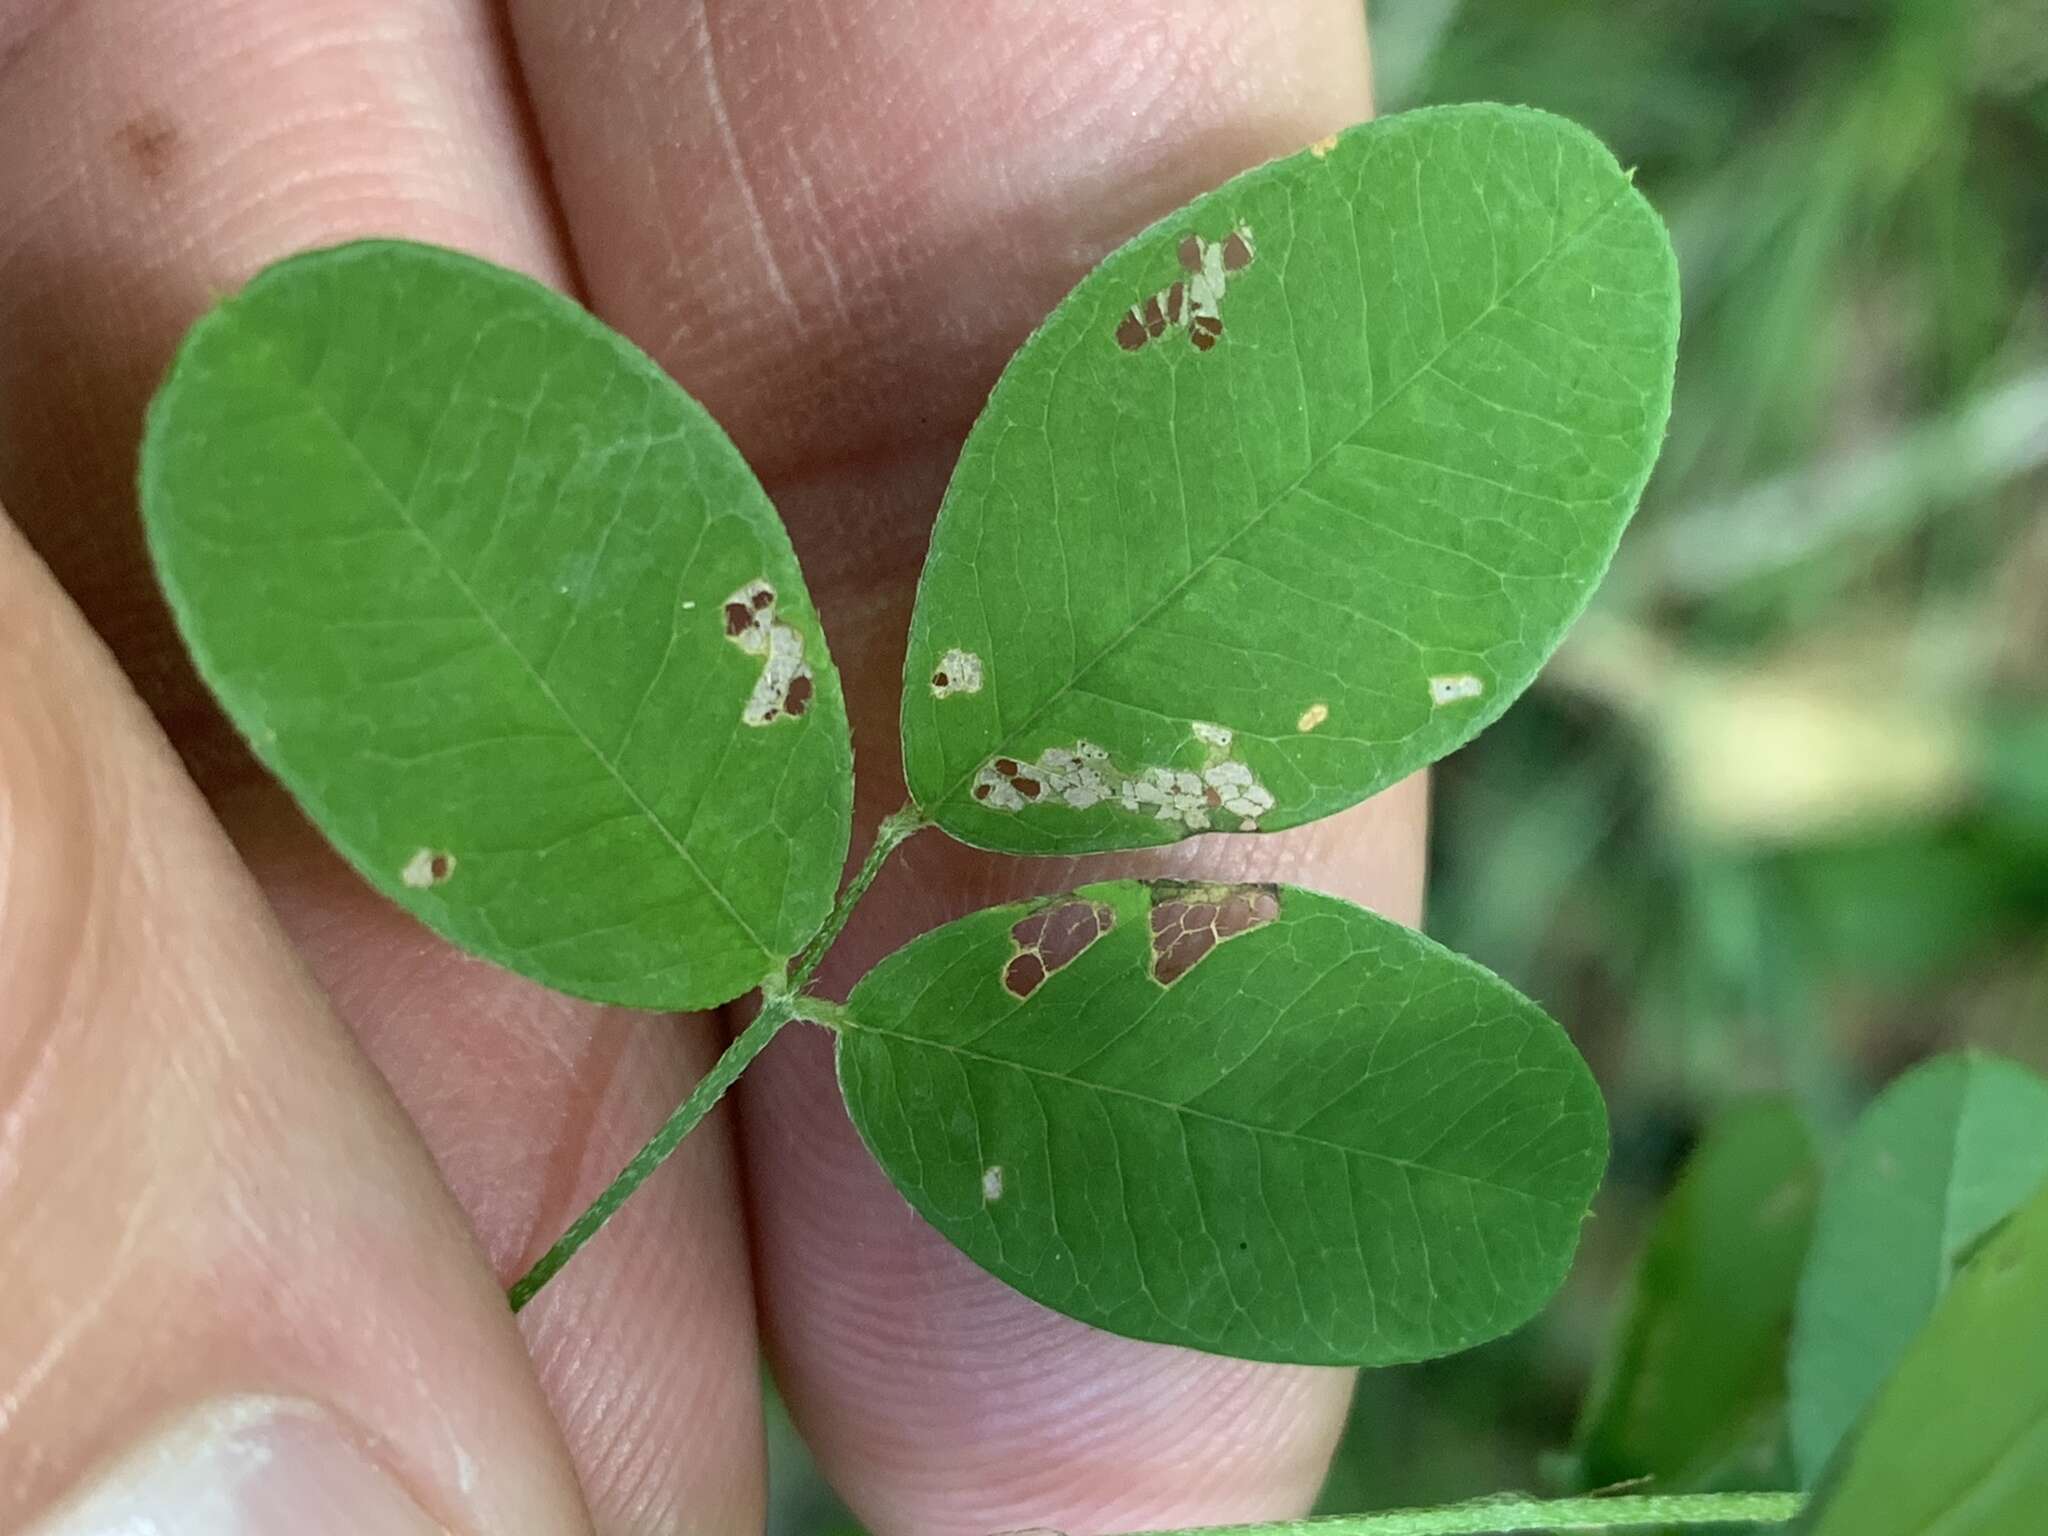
(1693, 1389)
(1943, 1155)
(1323, 1139)
(1956, 1443)
(1177, 589)
(458, 561)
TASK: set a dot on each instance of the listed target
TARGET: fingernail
(251, 1466)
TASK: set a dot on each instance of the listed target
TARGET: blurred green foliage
(1691, 1391)
(1777, 819)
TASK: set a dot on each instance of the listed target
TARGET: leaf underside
(485, 590)
(1942, 1156)
(1241, 576)
(1323, 1138)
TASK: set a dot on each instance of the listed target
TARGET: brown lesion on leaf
(786, 686)
(1051, 939)
(1189, 921)
(427, 868)
(1023, 975)
(1191, 303)
(1223, 795)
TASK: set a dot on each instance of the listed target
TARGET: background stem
(709, 1090)
(1493, 1517)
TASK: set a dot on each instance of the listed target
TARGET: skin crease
(833, 221)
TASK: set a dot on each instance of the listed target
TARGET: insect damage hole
(1189, 921)
(958, 671)
(1223, 795)
(1454, 687)
(1050, 940)
(1192, 303)
(784, 688)
(427, 868)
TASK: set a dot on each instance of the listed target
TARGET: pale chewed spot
(1191, 303)
(958, 671)
(1077, 777)
(1312, 717)
(1051, 939)
(784, 688)
(1223, 795)
(427, 868)
(992, 1184)
(1454, 687)
(1322, 147)
(1189, 921)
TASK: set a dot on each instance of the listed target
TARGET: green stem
(1492, 1517)
(709, 1090)
(891, 835)
(821, 1010)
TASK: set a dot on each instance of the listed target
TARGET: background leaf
(1694, 1381)
(1326, 1140)
(458, 560)
(1177, 589)
(1942, 1156)
(1957, 1442)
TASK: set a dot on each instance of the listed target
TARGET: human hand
(222, 1232)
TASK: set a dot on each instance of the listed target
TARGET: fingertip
(205, 1194)
(938, 1400)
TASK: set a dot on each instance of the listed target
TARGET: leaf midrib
(1407, 1165)
(1379, 404)
(398, 506)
